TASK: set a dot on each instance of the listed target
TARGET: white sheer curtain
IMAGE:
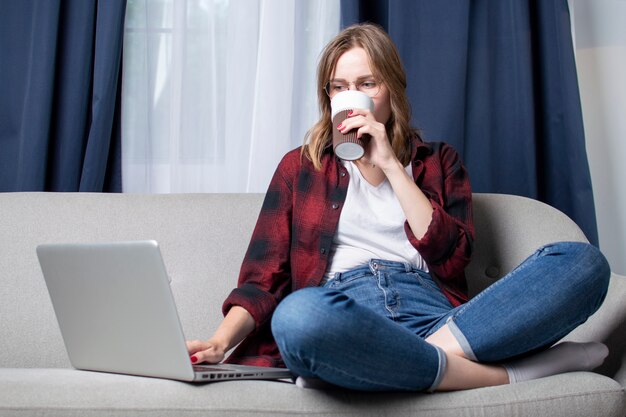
(216, 91)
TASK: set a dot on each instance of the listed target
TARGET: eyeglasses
(369, 86)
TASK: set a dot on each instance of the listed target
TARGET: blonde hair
(386, 67)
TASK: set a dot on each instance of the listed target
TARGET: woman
(354, 273)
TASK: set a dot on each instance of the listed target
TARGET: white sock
(564, 357)
(311, 383)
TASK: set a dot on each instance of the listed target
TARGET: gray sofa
(203, 238)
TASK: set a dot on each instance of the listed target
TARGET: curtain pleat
(59, 118)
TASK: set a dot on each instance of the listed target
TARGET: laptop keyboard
(209, 368)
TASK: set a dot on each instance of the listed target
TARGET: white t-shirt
(371, 226)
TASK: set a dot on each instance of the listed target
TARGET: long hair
(387, 68)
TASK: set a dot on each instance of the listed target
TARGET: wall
(600, 40)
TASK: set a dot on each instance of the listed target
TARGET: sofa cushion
(65, 392)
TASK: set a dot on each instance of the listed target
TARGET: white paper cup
(347, 146)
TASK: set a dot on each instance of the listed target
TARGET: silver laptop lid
(115, 308)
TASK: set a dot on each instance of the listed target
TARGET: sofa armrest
(608, 325)
(508, 230)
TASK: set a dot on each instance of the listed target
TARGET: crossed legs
(552, 292)
(325, 334)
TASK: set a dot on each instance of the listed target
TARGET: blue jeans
(365, 328)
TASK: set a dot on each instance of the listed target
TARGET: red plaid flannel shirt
(292, 239)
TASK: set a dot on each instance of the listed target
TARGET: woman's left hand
(378, 150)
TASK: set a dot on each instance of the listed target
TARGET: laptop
(116, 313)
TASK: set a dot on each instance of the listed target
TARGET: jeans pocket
(345, 279)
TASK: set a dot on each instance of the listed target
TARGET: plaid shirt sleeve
(264, 278)
(447, 245)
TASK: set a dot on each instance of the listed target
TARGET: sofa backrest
(508, 229)
(203, 238)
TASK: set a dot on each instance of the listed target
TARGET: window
(216, 91)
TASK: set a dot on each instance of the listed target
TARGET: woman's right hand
(209, 351)
(237, 324)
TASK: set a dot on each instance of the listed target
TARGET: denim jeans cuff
(440, 371)
(460, 337)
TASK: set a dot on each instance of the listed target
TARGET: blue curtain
(60, 77)
(497, 80)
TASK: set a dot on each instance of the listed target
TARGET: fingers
(363, 125)
(204, 351)
(356, 119)
(194, 346)
(360, 112)
(378, 149)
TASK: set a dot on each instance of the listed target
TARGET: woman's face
(354, 65)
